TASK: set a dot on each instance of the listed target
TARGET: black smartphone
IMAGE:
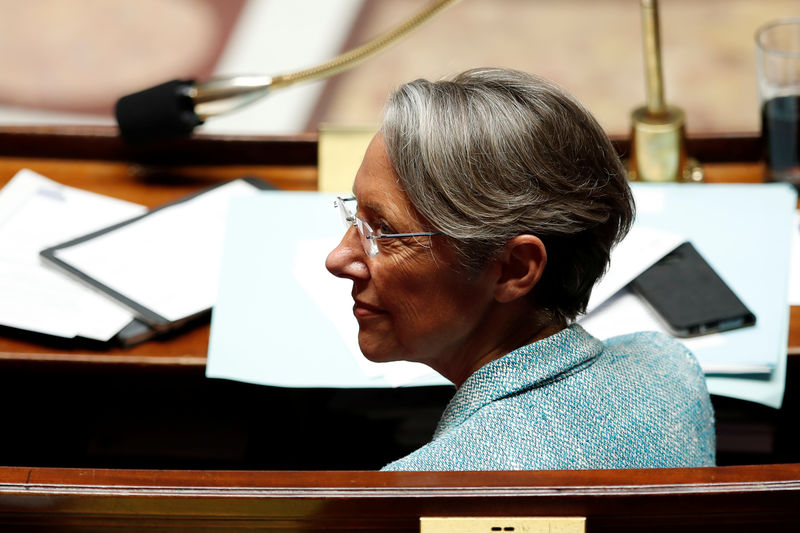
(689, 296)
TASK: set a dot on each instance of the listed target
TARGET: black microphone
(173, 109)
(161, 112)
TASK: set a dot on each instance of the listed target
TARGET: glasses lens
(365, 232)
(344, 213)
(368, 240)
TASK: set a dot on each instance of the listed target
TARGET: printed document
(36, 212)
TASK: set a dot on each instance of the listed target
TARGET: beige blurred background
(67, 61)
(590, 47)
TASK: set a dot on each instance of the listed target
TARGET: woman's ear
(521, 266)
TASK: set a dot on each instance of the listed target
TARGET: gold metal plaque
(502, 524)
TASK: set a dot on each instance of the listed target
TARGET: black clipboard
(148, 321)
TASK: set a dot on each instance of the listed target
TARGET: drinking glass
(778, 67)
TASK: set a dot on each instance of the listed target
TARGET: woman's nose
(347, 259)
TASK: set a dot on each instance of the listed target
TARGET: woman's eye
(385, 228)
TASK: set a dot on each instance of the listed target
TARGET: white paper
(637, 252)
(314, 308)
(794, 269)
(35, 213)
(168, 261)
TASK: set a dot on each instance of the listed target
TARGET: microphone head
(162, 112)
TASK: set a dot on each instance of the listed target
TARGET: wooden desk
(94, 159)
(150, 406)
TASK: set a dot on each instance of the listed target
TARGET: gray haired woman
(483, 213)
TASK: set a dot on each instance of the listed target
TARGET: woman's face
(411, 302)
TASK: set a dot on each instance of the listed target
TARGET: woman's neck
(502, 333)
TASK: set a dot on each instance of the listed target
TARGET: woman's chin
(377, 350)
(377, 356)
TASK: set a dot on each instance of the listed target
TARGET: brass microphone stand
(658, 137)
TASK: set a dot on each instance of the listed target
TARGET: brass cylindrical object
(658, 134)
(658, 147)
(651, 38)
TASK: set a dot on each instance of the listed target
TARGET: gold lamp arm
(357, 55)
(175, 108)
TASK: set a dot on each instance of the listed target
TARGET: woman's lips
(365, 310)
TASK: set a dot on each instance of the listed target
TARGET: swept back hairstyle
(496, 153)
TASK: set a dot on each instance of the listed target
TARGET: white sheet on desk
(794, 271)
(36, 212)
(626, 313)
(168, 261)
(640, 249)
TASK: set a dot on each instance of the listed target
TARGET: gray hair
(496, 153)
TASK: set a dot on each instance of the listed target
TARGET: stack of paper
(35, 213)
(164, 265)
(79, 264)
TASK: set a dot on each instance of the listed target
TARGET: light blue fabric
(571, 401)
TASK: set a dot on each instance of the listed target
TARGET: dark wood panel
(739, 147)
(145, 416)
(103, 142)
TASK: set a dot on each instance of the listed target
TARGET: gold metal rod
(359, 54)
(652, 58)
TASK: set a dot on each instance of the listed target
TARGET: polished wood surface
(706, 499)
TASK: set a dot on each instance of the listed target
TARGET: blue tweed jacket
(571, 401)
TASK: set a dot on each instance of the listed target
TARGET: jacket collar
(528, 367)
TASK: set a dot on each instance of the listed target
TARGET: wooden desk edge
(348, 500)
(742, 477)
(103, 142)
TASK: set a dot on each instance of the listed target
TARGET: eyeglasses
(369, 237)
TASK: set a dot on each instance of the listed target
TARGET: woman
(484, 212)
